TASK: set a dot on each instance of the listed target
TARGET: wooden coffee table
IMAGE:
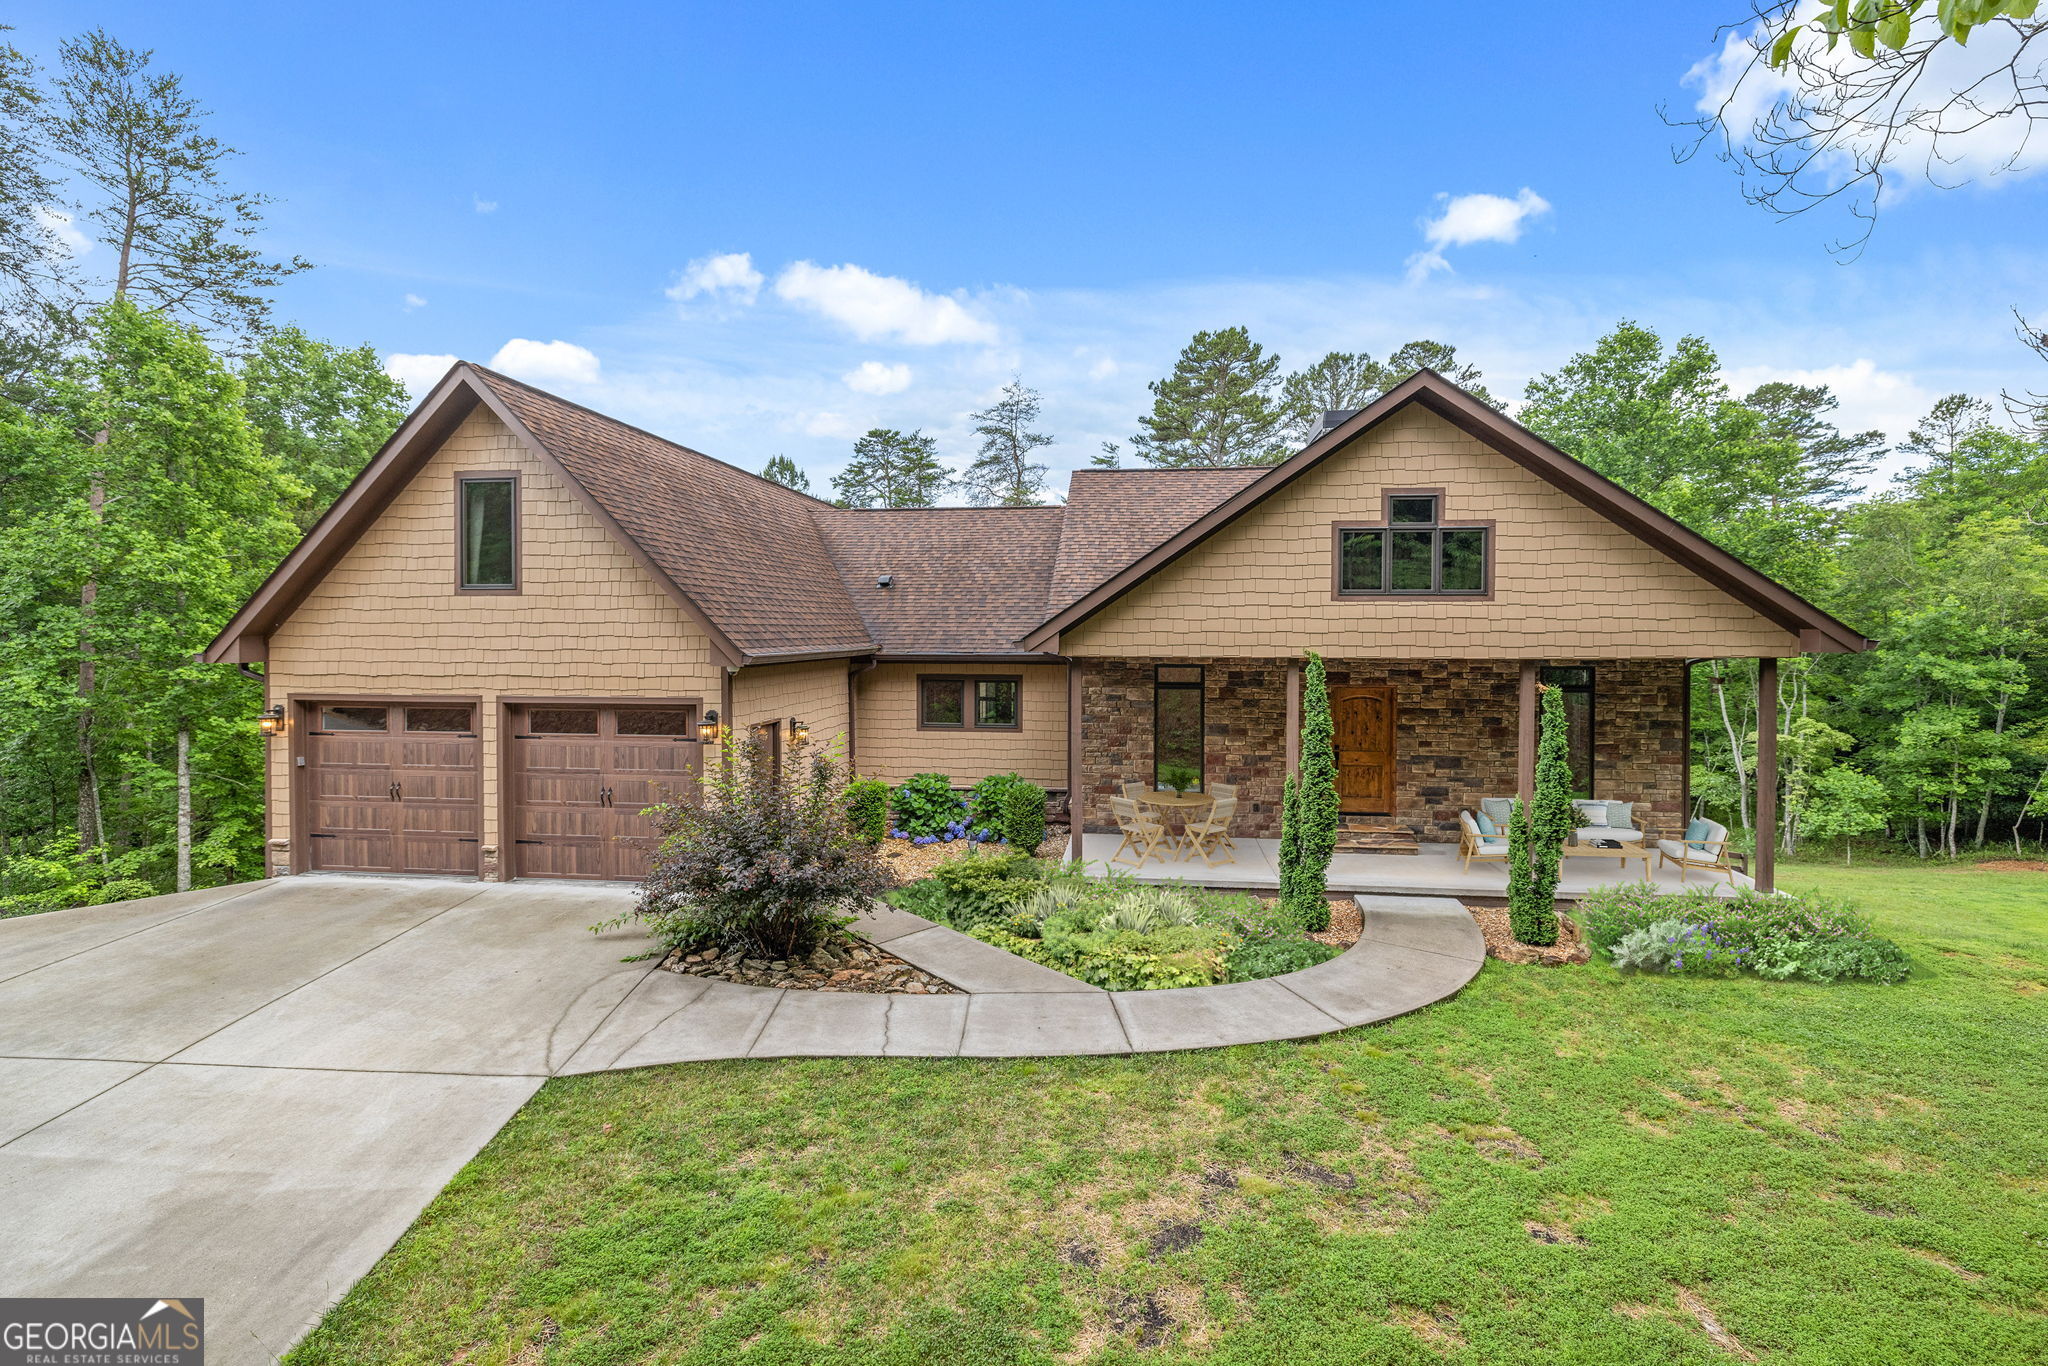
(1638, 849)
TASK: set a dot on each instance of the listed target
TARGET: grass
(1558, 1165)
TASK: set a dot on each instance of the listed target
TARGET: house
(508, 635)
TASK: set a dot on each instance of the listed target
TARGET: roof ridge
(554, 397)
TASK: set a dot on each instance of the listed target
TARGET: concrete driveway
(247, 1094)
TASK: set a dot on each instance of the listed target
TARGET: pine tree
(1217, 408)
(1003, 473)
(892, 469)
(1311, 809)
(782, 470)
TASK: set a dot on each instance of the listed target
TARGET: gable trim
(1817, 631)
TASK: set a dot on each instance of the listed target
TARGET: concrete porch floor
(1434, 871)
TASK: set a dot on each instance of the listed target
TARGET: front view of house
(525, 622)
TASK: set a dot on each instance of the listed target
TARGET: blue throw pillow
(1697, 833)
(1486, 825)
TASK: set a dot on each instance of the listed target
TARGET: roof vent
(1333, 418)
(885, 580)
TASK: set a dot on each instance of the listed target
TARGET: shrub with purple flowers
(927, 809)
(1818, 938)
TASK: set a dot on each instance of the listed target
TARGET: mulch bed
(1346, 922)
(908, 862)
(1570, 947)
(841, 963)
(2014, 865)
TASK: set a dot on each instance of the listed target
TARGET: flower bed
(1699, 934)
(840, 962)
(1112, 932)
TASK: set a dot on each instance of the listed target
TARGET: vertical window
(995, 703)
(1413, 551)
(941, 703)
(1177, 726)
(489, 520)
(1576, 682)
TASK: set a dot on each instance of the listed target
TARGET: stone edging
(1411, 952)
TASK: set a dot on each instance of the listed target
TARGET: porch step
(1365, 835)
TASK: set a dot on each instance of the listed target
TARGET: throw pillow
(1500, 810)
(1697, 834)
(1591, 813)
(1486, 825)
(1621, 815)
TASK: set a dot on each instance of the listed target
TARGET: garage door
(580, 777)
(393, 788)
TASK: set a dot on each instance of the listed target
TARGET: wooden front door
(394, 788)
(582, 775)
(1363, 716)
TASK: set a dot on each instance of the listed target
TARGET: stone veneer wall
(1454, 743)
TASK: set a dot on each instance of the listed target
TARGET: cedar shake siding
(891, 747)
(813, 693)
(386, 620)
(1567, 580)
(1454, 735)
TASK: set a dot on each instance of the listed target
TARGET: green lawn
(1845, 1174)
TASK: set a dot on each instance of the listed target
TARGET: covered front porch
(1435, 870)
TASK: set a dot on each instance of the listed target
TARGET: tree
(1817, 107)
(782, 470)
(1003, 473)
(180, 238)
(1846, 802)
(1537, 834)
(320, 411)
(1344, 380)
(1832, 463)
(30, 261)
(1217, 408)
(892, 469)
(1312, 806)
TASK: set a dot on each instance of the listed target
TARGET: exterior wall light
(798, 731)
(271, 722)
(707, 729)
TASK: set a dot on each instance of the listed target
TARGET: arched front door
(1364, 720)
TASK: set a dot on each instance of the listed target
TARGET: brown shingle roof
(965, 580)
(1115, 516)
(743, 548)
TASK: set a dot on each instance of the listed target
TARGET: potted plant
(1182, 778)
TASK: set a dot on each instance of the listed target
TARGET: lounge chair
(1705, 846)
(1603, 820)
(1474, 844)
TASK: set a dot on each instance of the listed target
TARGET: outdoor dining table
(1181, 806)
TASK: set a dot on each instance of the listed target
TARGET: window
(563, 721)
(1177, 726)
(1415, 551)
(1576, 682)
(352, 718)
(437, 719)
(662, 721)
(488, 508)
(946, 703)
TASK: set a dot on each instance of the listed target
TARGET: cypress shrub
(1542, 830)
(1023, 816)
(1315, 804)
(867, 808)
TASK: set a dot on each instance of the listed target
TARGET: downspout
(853, 673)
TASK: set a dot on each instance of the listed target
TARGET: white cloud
(60, 225)
(832, 426)
(418, 373)
(875, 306)
(1871, 397)
(873, 377)
(1469, 218)
(554, 362)
(727, 276)
(413, 301)
(484, 205)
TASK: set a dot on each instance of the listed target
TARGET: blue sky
(932, 198)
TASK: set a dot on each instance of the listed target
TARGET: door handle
(397, 792)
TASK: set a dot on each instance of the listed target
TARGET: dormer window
(1413, 550)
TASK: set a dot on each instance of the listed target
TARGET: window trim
(1386, 525)
(968, 710)
(1200, 689)
(462, 481)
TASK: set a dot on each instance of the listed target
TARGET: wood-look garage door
(392, 787)
(580, 777)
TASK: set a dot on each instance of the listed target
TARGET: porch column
(1293, 717)
(1077, 820)
(1764, 869)
(1525, 736)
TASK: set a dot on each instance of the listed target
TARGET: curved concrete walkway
(1412, 951)
(248, 1093)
